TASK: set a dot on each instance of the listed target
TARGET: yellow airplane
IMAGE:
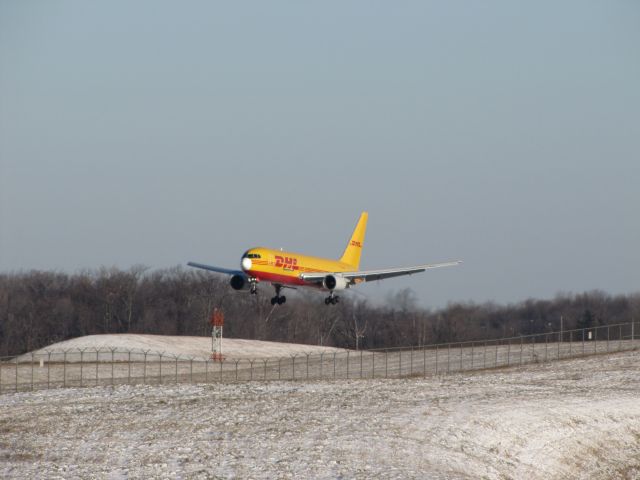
(291, 270)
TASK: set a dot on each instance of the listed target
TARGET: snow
(575, 418)
(232, 348)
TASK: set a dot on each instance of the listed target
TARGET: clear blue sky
(502, 133)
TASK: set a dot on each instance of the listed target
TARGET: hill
(232, 348)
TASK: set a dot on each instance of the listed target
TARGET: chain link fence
(112, 366)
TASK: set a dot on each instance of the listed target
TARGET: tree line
(38, 308)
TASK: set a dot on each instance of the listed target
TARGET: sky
(505, 134)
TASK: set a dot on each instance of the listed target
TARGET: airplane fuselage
(276, 266)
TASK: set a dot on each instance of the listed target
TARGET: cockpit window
(252, 255)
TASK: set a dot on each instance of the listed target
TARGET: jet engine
(335, 282)
(239, 282)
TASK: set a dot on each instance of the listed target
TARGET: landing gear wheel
(282, 300)
(274, 300)
(331, 299)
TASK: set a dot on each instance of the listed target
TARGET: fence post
(48, 370)
(533, 348)
(473, 353)
(97, 363)
(448, 358)
(583, 332)
(81, 364)
(484, 355)
(144, 371)
(560, 341)
(334, 364)
(265, 369)
(293, 367)
(620, 338)
(424, 361)
(546, 346)
(386, 364)
(251, 360)
(237, 361)
(321, 354)
(373, 364)
(400, 367)
(347, 364)
(112, 362)
(571, 343)
(32, 360)
(509, 353)
(436, 359)
(608, 328)
(64, 369)
(460, 356)
(361, 351)
(521, 348)
(411, 361)
(221, 362)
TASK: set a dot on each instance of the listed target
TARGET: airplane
(292, 270)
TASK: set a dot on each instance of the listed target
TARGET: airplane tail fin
(351, 255)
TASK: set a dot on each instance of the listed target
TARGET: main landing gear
(253, 289)
(331, 299)
(278, 299)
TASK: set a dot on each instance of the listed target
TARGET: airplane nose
(246, 264)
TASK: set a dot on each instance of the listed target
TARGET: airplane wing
(371, 275)
(211, 268)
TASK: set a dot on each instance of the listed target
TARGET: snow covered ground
(232, 348)
(576, 418)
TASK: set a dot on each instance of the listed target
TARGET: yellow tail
(351, 255)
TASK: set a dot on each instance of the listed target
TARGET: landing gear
(278, 299)
(253, 289)
(331, 299)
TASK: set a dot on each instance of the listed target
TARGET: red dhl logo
(288, 263)
(356, 244)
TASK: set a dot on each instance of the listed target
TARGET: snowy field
(576, 418)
